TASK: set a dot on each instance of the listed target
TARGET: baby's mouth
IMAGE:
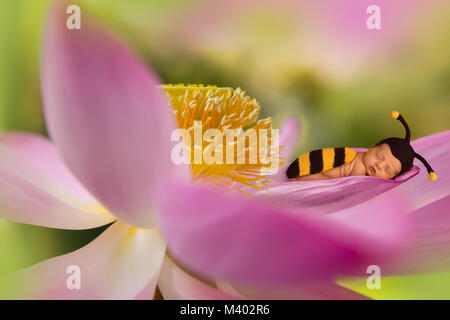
(372, 170)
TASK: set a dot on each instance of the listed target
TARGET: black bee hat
(402, 150)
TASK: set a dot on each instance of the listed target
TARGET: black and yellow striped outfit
(320, 160)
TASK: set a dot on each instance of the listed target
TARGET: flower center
(244, 149)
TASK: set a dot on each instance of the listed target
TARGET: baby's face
(380, 162)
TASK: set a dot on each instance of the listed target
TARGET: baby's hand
(353, 168)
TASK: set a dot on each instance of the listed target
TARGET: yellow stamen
(223, 108)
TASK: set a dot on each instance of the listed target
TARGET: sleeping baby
(387, 159)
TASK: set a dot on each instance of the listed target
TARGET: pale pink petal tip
(106, 115)
(122, 263)
(289, 139)
(37, 188)
(176, 284)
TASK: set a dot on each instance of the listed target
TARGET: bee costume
(324, 159)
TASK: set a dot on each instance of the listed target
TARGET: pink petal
(106, 116)
(121, 263)
(429, 250)
(316, 291)
(231, 237)
(176, 284)
(327, 196)
(289, 137)
(36, 187)
(429, 204)
(436, 150)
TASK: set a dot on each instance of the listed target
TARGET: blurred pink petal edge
(289, 137)
(103, 116)
(273, 244)
(36, 187)
(118, 264)
(175, 283)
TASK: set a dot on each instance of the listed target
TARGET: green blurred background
(317, 62)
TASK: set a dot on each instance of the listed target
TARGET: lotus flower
(108, 161)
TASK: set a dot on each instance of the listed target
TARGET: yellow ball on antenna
(394, 114)
(432, 176)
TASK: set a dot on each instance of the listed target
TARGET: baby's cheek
(382, 175)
